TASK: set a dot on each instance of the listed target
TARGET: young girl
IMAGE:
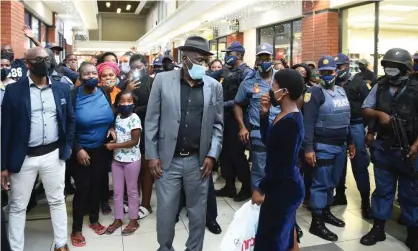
(126, 163)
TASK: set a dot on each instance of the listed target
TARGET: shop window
(213, 49)
(297, 42)
(398, 27)
(27, 22)
(267, 35)
(35, 29)
(358, 27)
(222, 45)
(43, 35)
(282, 41)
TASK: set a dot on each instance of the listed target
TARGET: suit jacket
(164, 113)
(16, 122)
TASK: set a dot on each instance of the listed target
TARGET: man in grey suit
(183, 139)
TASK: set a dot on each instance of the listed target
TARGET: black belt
(42, 150)
(184, 154)
(334, 142)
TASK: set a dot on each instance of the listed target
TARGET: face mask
(216, 74)
(392, 73)
(265, 67)
(274, 102)
(90, 83)
(40, 69)
(415, 67)
(342, 74)
(10, 55)
(197, 72)
(362, 68)
(110, 83)
(230, 60)
(4, 73)
(327, 81)
(125, 110)
(125, 68)
(168, 67)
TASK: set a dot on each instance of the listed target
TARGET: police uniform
(395, 96)
(158, 65)
(357, 90)
(233, 160)
(327, 121)
(250, 91)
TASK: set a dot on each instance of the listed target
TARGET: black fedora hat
(196, 43)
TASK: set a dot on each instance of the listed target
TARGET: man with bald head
(36, 136)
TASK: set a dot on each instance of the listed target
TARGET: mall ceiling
(125, 7)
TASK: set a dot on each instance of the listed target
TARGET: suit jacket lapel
(57, 99)
(26, 96)
(175, 88)
(207, 94)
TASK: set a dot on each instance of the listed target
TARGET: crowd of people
(179, 126)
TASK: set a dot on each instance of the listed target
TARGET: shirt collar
(33, 83)
(259, 78)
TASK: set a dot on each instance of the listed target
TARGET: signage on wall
(234, 25)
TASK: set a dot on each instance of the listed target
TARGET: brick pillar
(320, 30)
(12, 21)
(52, 30)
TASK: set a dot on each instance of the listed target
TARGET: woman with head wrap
(108, 78)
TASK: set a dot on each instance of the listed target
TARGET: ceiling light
(128, 7)
(108, 4)
(393, 7)
(118, 10)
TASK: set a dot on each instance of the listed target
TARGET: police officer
(18, 69)
(365, 73)
(168, 63)
(394, 99)
(327, 120)
(157, 65)
(233, 160)
(249, 92)
(356, 89)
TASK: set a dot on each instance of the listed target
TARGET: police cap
(264, 48)
(341, 59)
(235, 46)
(327, 63)
(158, 61)
(398, 55)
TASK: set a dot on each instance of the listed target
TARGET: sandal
(112, 228)
(98, 229)
(143, 212)
(129, 230)
(78, 241)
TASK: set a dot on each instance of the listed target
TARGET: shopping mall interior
(298, 31)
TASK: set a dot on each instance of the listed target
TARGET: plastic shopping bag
(240, 235)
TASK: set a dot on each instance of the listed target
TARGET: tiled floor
(39, 231)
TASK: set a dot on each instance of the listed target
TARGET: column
(12, 21)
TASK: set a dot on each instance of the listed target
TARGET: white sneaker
(125, 208)
(143, 212)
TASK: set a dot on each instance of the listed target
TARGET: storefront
(285, 39)
(39, 30)
(368, 30)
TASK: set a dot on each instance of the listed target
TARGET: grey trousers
(183, 171)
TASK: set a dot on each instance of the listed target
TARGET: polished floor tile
(39, 234)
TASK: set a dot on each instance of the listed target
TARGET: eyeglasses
(40, 59)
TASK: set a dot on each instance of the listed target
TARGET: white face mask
(392, 72)
(57, 59)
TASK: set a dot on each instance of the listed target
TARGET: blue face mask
(91, 82)
(4, 73)
(342, 74)
(230, 60)
(125, 110)
(265, 66)
(327, 81)
(197, 71)
(415, 67)
(216, 74)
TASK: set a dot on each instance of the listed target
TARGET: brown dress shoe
(63, 248)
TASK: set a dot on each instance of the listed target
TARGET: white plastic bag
(240, 235)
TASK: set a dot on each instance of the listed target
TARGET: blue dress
(283, 184)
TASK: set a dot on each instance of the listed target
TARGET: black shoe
(366, 211)
(243, 195)
(226, 192)
(319, 229)
(69, 189)
(213, 227)
(412, 238)
(177, 218)
(331, 219)
(400, 221)
(340, 199)
(299, 231)
(377, 233)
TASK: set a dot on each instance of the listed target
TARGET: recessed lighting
(108, 4)
(128, 7)
(118, 10)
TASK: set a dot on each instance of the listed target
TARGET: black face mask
(362, 68)
(40, 69)
(4, 73)
(168, 67)
(10, 55)
(273, 100)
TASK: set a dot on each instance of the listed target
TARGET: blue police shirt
(251, 90)
(18, 69)
(370, 101)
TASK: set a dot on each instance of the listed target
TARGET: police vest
(352, 90)
(403, 104)
(334, 113)
(232, 80)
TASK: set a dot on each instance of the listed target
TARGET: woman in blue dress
(282, 190)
